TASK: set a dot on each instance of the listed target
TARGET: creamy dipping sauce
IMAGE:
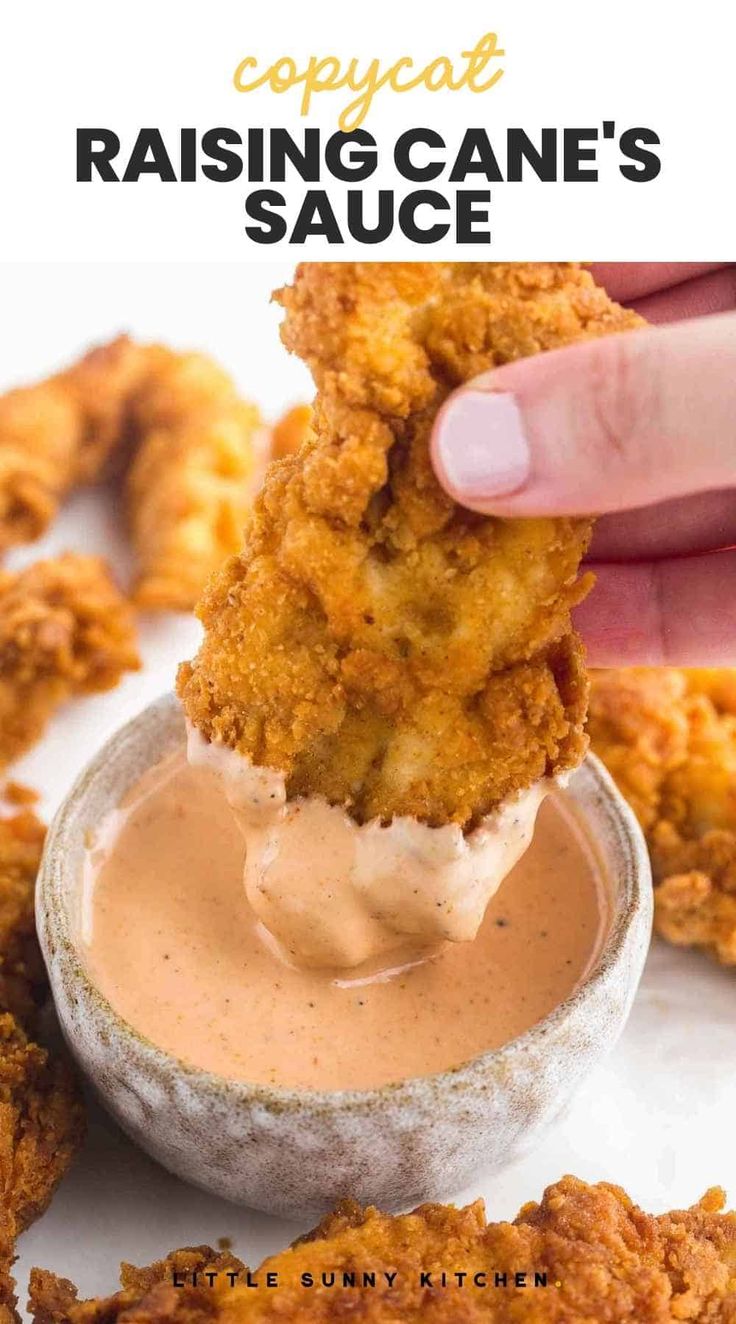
(334, 892)
(174, 946)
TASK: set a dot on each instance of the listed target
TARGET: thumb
(606, 425)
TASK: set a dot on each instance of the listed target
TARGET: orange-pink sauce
(172, 943)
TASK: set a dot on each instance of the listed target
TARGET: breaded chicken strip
(8, 1296)
(150, 1291)
(42, 1124)
(41, 1112)
(669, 739)
(290, 431)
(189, 440)
(385, 648)
(60, 432)
(22, 974)
(190, 486)
(22, 978)
(65, 630)
(599, 1260)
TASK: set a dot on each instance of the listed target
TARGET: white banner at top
(177, 131)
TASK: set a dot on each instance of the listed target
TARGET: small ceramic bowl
(295, 1153)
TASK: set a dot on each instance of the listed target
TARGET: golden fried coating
(65, 630)
(150, 1291)
(60, 432)
(42, 1123)
(384, 647)
(22, 983)
(669, 739)
(22, 973)
(190, 486)
(598, 1260)
(178, 422)
(638, 726)
(17, 793)
(290, 431)
(8, 1298)
(41, 1113)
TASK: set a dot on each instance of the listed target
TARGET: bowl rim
(634, 905)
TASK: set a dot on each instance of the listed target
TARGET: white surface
(657, 1117)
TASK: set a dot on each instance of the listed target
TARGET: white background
(657, 1117)
(168, 64)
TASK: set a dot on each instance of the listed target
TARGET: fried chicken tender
(190, 486)
(189, 442)
(150, 1291)
(22, 983)
(379, 644)
(60, 432)
(42, 1124)
(65, 631)
(41, 1112)
(22, 974)
(602, 1258)
(290, 431)
(669, 739)
(17, 793)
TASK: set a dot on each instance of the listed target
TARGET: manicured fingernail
(481, 446)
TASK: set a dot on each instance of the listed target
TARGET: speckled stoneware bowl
(295, 1153)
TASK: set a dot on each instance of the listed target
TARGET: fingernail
(481, 446)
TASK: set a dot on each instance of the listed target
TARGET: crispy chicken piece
(190, 486)
(382, 646)
(65, 630)
(178, 422)
(42, 1123)
(41, 1113)
(150, 1291)
(22, 974)
(597, 1256)
(638, 726)
(290, 431)
(8, 1297)
(669, 739)
(60, 432)
(22, 983)
(17, 793)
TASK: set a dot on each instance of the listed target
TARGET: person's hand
(639, 428)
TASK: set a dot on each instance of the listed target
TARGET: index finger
(625, 281)
(679, 612)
